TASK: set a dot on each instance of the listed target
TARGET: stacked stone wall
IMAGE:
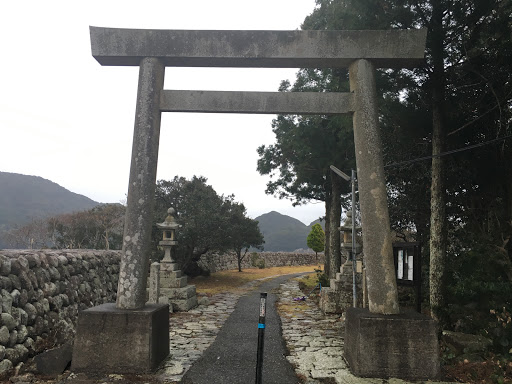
(220, 262)
(42, 292)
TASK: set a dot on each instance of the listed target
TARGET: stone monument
(360, 51)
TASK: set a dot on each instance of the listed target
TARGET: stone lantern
(168, 227)
(171, 285)
(346, 232)
(342, 292)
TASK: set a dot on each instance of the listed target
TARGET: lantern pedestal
(174, 288)
(339, 296)
(172, 284)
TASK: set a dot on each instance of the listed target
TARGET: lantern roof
(347, 225)
(169, 222)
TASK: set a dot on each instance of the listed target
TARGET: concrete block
(169, 266)
(173, 283)
(329, 301)
(184, 305)
(112, 340)
(342, 285)
(179, 293)
(54, 361)
(403, 346)
(171, 274)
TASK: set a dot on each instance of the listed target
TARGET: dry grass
(308, 282)
(232, 281)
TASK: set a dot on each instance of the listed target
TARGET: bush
(322, 278)
(477, 286)
(254, 259)
(500, 330)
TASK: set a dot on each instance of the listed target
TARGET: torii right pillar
(381, 342)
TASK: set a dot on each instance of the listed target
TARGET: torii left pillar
(136, 331)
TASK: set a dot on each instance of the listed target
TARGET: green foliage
(254, 259)
(468, 77)
(244, 232)
(323, 279)
(307, 145)
(316, 238)
(477, 285)
(478, 276)
(209, 222)
(500, 330)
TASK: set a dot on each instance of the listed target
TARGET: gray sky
(67, 119)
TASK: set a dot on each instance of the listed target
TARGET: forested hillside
(24, 198)
(283, 233)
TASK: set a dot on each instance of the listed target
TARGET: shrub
(500, 330)
(254, 259)
(322, 278)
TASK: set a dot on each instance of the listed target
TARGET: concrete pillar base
(112, 340)
(402, 346)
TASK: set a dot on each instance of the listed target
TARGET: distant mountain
(282, 232)
(23, 198)
(318, 221)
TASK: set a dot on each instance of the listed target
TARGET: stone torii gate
(360, 51)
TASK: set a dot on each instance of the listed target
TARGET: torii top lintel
(259, 49)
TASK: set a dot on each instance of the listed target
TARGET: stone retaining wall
(227, 261)
(42, 292)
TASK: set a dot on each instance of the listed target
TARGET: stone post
(154, 283)
(131, 293)
(378, 248)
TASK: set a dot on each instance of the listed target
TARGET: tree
(316, 239)
(209, 222)
(244, 232)
(98, 228)
(109, 219)
(31, 236)
(305, 148)
(461, 96)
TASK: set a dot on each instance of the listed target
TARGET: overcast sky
(67, 119)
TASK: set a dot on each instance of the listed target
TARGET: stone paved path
(232, 356)
(314, 340)
(192, 332)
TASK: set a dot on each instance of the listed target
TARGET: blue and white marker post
(261, 337)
